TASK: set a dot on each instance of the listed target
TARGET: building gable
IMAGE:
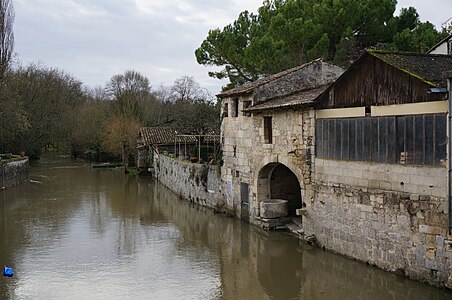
(443, 47)
(382, 78)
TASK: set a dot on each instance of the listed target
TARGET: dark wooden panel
(372, 82)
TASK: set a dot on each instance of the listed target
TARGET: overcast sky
(96, 39)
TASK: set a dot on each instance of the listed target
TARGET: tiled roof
(426, 67)
(168, 136)
(248, 88)
(297, 99)
(212, 138)
(189, 138)
(157, 135)
(186, 138)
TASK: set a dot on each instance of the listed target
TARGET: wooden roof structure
(388, 78)
(426, 67)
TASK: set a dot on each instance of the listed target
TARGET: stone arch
(277, 181)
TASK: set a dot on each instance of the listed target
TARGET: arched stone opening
(276, 181)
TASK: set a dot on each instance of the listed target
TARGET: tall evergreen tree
(287, 33)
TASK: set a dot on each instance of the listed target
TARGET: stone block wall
(245, 154)
(391, 216)
(197, 183)
(420, 180)
(13, 173)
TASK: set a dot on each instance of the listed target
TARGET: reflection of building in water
(257, 264)
(278, 266)
(140, 228)
(360, 155)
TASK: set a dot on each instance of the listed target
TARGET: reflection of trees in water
(33, 214)
(256, 264)
(133, 212)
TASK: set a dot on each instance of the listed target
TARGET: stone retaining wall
(391, 216)
(197, 183)
(13, 173)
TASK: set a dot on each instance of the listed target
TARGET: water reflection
(98, 234)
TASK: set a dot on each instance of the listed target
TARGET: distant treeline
(43, 108)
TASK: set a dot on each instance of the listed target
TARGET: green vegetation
(287, 33)
(44, 108)
(6, 158)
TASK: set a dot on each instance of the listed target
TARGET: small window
(246, 104)
(226, 110)
(268, 137)
(235, 108)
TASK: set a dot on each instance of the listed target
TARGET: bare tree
(129, 91)
(186, 88)
(6, 34)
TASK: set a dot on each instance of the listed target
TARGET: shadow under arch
(276, 181)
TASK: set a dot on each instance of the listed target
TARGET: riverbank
(198, 183)
(13, 171)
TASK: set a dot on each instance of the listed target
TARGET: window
(268, 138)
(235, 108)
(413, 140)
(226, 110)
(246, 104)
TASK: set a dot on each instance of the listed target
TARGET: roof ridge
(371, 51)
(418, 65)
(264, 80)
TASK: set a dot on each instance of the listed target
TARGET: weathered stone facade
(391, 216)
(197, 183)
(387, 203)
(250, 160)
(246, 154)
(13, 173)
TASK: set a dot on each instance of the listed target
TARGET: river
(74, 232)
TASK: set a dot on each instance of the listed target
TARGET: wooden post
(199, 148)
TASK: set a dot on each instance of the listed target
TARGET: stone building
(267, 138)
(380, 165)
(364, 157)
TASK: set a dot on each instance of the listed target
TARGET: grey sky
(96, 39)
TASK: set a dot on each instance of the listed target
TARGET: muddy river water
(74, 232)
